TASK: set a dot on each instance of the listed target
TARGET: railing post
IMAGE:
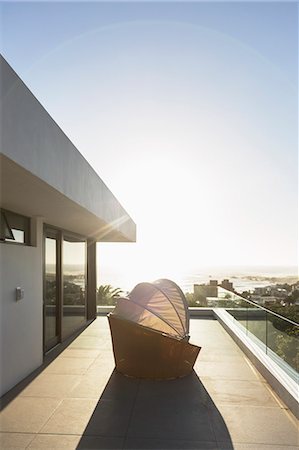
(266, 333)
(246, 320)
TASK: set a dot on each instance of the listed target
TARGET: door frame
(58, 234)
(52, 233)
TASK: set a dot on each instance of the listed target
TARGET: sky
(187, 111)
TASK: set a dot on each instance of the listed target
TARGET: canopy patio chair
(150, 332)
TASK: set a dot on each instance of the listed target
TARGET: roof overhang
(26, 194)
(43, 174)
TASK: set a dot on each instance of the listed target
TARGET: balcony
(79, 401)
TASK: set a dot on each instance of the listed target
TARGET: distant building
(270, 300)
(226, 284)
(261, 290)
(279, 292)
(273, 291)
(264, 299)
(202, 291)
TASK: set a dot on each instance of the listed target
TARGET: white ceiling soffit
(26, 194)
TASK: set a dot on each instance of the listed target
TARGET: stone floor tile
(182, 390)
(101, 443)
(176, 418)
(110, 418)
(90, 386)
(51, 385)
(93, 332)
(167, 444)
(78, 353)
(75, 442)
(71, 417)
(224, 404)
(86, 342)
(101, 370)
(235, 392)
(120, 387)
(103, 364)
(27, 414)
(228, 370)
(15, 441)
(69, 366)
(210, 354)
(236, 446)
(55, 442)
(256, 425)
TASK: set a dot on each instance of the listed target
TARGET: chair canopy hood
(160, 305)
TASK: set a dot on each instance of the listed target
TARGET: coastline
(245, 278)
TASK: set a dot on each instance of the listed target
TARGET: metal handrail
(261, 307)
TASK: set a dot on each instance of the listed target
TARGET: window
(14, 227)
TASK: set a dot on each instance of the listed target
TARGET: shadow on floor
(144, 414)
(48, 358)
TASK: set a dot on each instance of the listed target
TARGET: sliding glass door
(74, 283)
(64, 285)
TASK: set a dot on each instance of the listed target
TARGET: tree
(108, 295)
(287, 348)
(293, 297)
(283, 338)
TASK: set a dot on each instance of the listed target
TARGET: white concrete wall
(21, 322)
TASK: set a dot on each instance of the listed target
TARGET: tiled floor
(78, 401)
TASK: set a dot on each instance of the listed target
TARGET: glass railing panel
(238, 311)
(283, 341)
(275, 335)
(257, 325)
(235, 306)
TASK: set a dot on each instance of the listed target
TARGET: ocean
(243, 278)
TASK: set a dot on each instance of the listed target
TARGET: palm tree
(108, 295)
